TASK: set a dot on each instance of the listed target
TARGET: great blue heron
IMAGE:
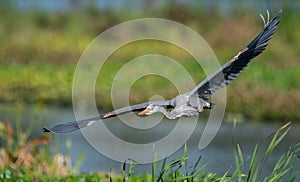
(191, 103)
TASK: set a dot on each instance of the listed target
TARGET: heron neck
(165, 112)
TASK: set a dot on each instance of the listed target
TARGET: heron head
(149, 110)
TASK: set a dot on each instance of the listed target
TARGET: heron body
(184, 105)
(182, 110)
(195, 101)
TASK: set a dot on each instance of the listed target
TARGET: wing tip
(46, 130)
(278, 16)
(260, 42)
(280, 12)
(267, 22)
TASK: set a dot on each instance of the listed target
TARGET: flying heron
(195, 101)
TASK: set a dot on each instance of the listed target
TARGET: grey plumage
(232, 69)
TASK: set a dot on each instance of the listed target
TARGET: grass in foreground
(22, 159)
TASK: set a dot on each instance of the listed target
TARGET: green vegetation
(24, 159)
(39, 52)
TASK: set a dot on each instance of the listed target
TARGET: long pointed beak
(144, 112)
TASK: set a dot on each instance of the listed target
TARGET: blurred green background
(42, 41)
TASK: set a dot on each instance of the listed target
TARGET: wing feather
(138, 107)
(76, 125)
(72, 125)
(232, 69)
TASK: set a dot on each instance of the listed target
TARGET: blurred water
(218, 154)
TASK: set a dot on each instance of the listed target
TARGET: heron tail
(209, 105)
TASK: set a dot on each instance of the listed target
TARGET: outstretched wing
(232, 69)
(72, 125)
(138, 107)
(76, 125)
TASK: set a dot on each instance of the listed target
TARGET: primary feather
(232, 69)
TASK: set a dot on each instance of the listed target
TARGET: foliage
(23, 159)
(39, 53)
(283, 169)
(19, 154)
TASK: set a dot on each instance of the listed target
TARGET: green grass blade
(237, 172)
(110, 173)
(275, 141)
(196, 164)
(225, 176)
(199, 170)
(78, 163)
(240, 154)
(273, 145)
(294, 158)
(124, 171)
(252, 173)
(163, 166)
(185, 155)
(154, 165)
(177, 162)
